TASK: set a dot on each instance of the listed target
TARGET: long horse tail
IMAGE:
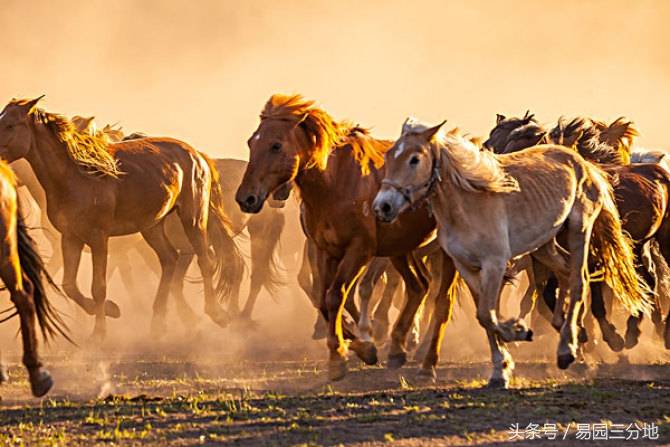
(32, 265)
(612, 249)
(229, 264)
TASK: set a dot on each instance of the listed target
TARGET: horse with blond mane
(493, 209)
(96, 190)
(337, 169)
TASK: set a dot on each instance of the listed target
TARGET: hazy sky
(201, 70)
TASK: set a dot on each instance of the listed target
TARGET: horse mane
(469, 168)
(621, 134)
(590, 142)
(531, 129)
(89, 152)
(325, 133)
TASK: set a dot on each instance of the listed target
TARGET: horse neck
(313, 184)
(50, 162)
(449, 201)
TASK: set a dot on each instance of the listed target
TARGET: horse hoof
(396, 361)
(219, 316)
(615, 342)
(4, 376)
(565, 360)
(497, 383)
(582, 336)
(112, 310)
(320, 330)
(529, 335)
(427, 375)
(337, 369)
(41, 382)
(366, 351)
(632, 338)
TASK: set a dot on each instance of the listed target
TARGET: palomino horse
(337, 169)
(23, 273)
(641, 193)
(97, 190)
(492, 209)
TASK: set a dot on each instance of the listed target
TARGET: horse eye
(414, 160)
(276, 147)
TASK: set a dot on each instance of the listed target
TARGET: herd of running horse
(576, 207)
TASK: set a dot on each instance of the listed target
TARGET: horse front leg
(444, 303)
(366, 288)
(72, 247)
(99, 284)
(347, 272)
(416, 287)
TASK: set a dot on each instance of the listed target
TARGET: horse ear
(429, 133)
(499, 118)
(30, 105)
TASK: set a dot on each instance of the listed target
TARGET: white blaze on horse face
(400, 150)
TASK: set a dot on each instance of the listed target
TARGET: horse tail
(613, 250)
(229, 264)
(32, 265)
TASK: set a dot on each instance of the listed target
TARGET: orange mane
(326, 133)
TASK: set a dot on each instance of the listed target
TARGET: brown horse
(97, 190)
(23, 273)
(641, 192)
(492, 209)
(337, 169)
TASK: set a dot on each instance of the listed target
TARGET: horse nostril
(250, 200)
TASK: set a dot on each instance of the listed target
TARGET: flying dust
(201, 71)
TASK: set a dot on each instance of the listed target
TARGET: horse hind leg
(599, 311)
(184, 310)
(20, 289)
(167, 256)
(647, 273)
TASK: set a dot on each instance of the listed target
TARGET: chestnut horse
(23, 273)
(642, 193)
(97, 190)
(493, 209)
(337, 169)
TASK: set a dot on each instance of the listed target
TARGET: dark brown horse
(641, 193)
(23, 274)
(337, 169)
(97, 190)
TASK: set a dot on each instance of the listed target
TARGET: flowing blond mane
(325, 133)
(468, 167)
(89, 152)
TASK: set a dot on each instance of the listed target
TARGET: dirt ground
(163, 402)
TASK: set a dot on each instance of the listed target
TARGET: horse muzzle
(388, 205)
(249, 202)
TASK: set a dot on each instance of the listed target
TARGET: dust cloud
(201, 71)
